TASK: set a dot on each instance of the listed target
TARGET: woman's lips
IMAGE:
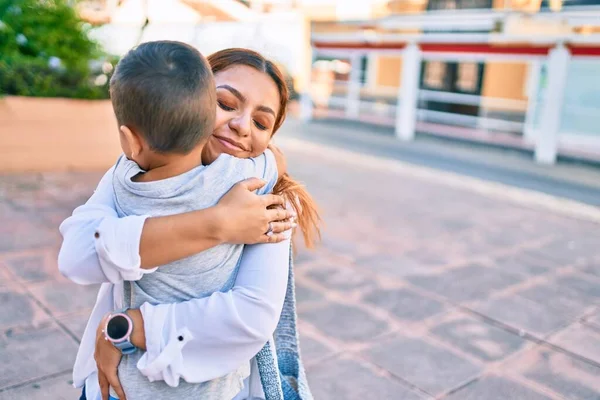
(228, 145)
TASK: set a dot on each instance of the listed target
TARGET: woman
(252, 99)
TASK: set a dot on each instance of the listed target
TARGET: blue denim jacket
(282, 374)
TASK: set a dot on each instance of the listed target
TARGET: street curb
(560, 158)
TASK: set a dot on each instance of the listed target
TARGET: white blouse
(219, 332)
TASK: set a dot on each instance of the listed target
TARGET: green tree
(45, 51)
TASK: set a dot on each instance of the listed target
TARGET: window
(458, 4)
(467, 77)
(566, 3)
(434, 76)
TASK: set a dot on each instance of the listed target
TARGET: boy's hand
(279, 159)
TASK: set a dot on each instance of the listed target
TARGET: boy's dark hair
(165, 91)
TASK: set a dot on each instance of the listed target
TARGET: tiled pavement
(419, 291)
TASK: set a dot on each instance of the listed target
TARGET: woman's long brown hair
(293, 191)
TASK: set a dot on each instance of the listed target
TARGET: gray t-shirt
(194, 277)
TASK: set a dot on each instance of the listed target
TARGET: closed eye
(260, 126)
(224, 106)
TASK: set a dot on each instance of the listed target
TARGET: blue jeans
(85, 398)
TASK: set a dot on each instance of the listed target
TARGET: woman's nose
(240, 125)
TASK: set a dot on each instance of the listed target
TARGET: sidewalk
(421, 289)
(513, 168)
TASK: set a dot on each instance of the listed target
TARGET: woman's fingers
(104, 385)
(272, 200)
(280, 214)
(252, 184)
(275, 238)
(279, 227)
(113, 380)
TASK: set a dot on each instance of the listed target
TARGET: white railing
(383, 112)
(364, 105)
(472, 100)
(470, 121)
(456, 119)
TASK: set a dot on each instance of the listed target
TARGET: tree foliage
(45, 51)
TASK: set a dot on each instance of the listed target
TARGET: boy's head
(163, 95)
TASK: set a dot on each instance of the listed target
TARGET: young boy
(164, 98)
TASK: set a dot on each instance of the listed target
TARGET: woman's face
(247, 106)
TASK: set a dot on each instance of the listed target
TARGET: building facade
(484, 71)
(520, 73)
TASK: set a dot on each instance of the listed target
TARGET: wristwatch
(118, 331)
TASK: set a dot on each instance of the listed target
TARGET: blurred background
(453, 146)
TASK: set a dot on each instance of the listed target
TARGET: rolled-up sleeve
(118, 247)
(98, 246)
(202, 339)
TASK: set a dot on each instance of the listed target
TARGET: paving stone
(466, 283)
(565, 375)
(502, 239)
(428, 258)
(32, 352)
(496, 388)
(485, 341)
(344, 322)
(579, 339)
(312, 349)
(57, 388)
(6, 278)
(305, 294)
(405, 304)
(348, 380)
(557, 259)
(592, 268)
(476, 242)
(569, 251)
(65, 297)
(32, 267)
(17, 232)
(338, 245)
(339, 277)
(524, 314)
(427, 366)
(587, 289)
(457, 224)
(76, 322)
(303, 256)
(18, 308)
(397, 266)
(33, 201)
(522, 263)
(53, 218)
(558, 297)
(594, 320)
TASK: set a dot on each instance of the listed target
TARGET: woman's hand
(241, 204)
(240, 217)
(107, 359)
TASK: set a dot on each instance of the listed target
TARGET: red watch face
(118, 327)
